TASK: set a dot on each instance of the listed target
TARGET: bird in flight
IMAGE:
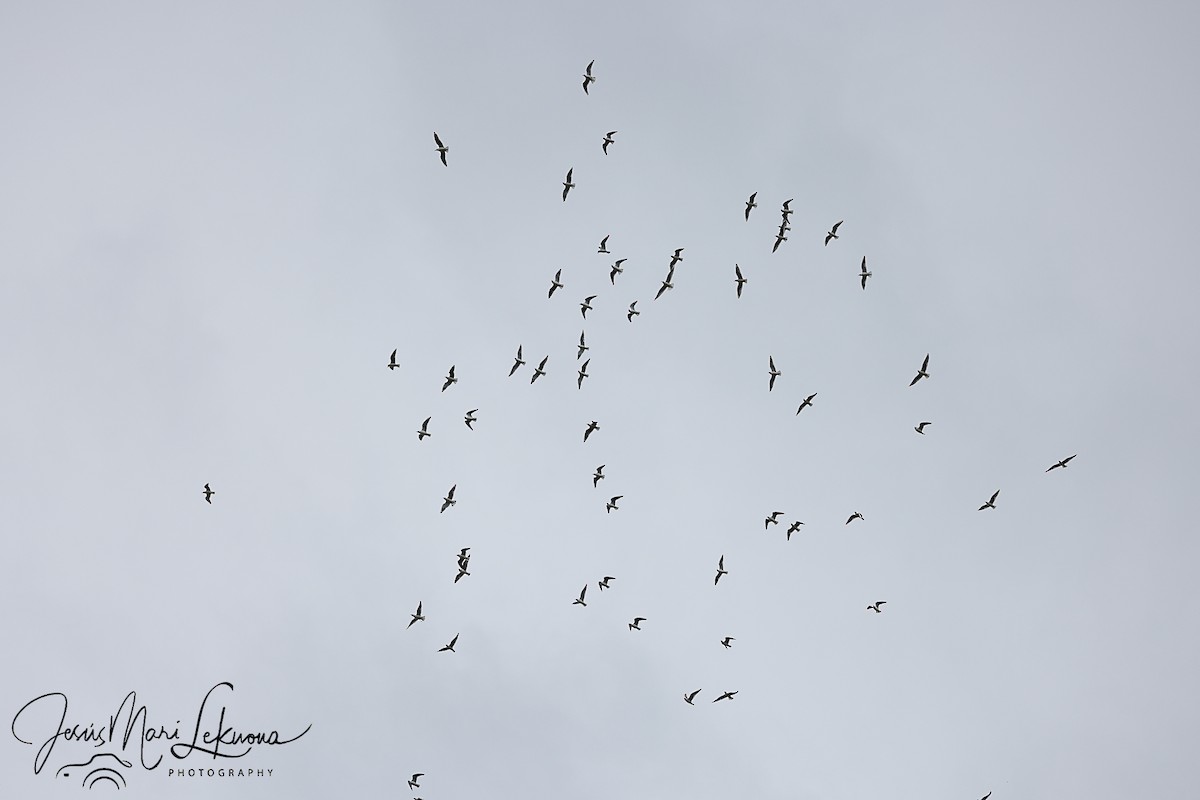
(587, 76)
(517, 361)
(470, 418)
(586, 305)
(608, 140)
(449, 379)
(750, 204)
(392, 364)
(786, 211)
(864, 274)
(450, 646)
(921, 428)
(462, 570)
(208, 493)
(463, 557)
(567, 185)
(854, 516)
(726, 642)
(579, 600)
(633, 626)
(441, 148)
(666, 284)
(421, 434)
(992, 502)
(720, 570)
(583, 373)
(582, 346)
(773, 519)
(876, 606)
(592, 426)
(986, 796)
(807, 402)
(779, 239)
(412, 784)
(774, 373)
(449, 500)
(539, 371)
(676, 258)
(604, 583)
(726, 696)
(739, 280)
(922, 373)
(611, 505)
(688, 698)
(793, 528)
(632, 312)
(599, 476)
(555, 283)
(417, 617)
(616, 270)
(832, 234)
(1062, 463)
(603, 245)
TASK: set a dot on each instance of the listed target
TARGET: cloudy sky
(217, 221)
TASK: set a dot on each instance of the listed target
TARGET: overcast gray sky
(217, 221)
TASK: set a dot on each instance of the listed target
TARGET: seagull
(449, 379)
(517, 361)
(876, 607)
(773, 519)
(413, 783)
(393, 364)
(922, 373)
(720, 570)
(921, 428)
(582, 347)
(739, 280)
(608, 140)
(567, 185)
(587, 76)
(990, 503)
(579, 601)
(450, 646)
(441, 148)
(986, 796)
(633, 626)
(592, 426)
(449, 500)
(726, 641)
(854, 516)
(666, 284)
(539, 371)
(632, 312)
(616, 270)
(604, 245)
(688, 698)
(208, 492)
(807, 402)
(726, 696)
(786, 211)
(461, 572)
(750, 204)
(774, 374)
(470, 417)
(463, 558)
(604, 583)
(556, 283)
(586, 305)
(779, 239)
(421, 434)
(583, 373)
(784, 227)
(676, 258)
(599, 476)
(864, 274)
(1062, 463)
(793, 528)
(417, 617)
(611, 505)
(832, 234)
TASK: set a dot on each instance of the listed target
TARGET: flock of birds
(667, 283)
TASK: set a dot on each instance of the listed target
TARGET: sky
(218, 220)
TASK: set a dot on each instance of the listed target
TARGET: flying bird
(688, 698)
(666, 284)
(461, 572)
(450, 646)
(986, 796)
(586, 305)
(807, 402)
(208, 493)
(992, 502)
(922, 373)
(720, 570)
(556, 283)
(583, 373)
(449, 379)
(876, 606)
(517, 361)
(779, 239)
(921, 428)
(599, 476)
(676, 258)
(739, 280)
(582, 347)
(421, 434)
(750, 204)
(793, 528)
(726, 642)
(587, 76)
(412, 784)
(774, 373)
(854, 516)
(773, 519)
(832, 234)
(463, 557)
(579, 601)
(786, 211)
(611, 505)
(604, 245)
(567, 185)
(632, 312)
(449, 500)
(539, 371)
(1062, 463)
(726, 696)
(417, 617)
(392, 364)
(441, 148)
(633, 626)
(592, 426)
(616, 270)
(604, 583)
(864, 274)
(470, 418)
(608, 140)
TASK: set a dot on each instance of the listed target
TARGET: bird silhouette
(583, 348)
(921, 428)
(992, 502)
(517, 361)
(604, 583)
(208, 493)
(587, 76)
(739, 280)
(616, 270)
(450, 646)
(688, 698)
(449, 500)
(608, 140)
(832, 234)
(793, 528)
(441, 148)
(555, 283)
(392, 364)
(726, 696)
(470, 418)
(417, 617)
(567, 184)
(1062, 463)
(807, 402)
(583, 373)
(586, 306)
(774, 373)
(611, 505)
(726, 642)
(421, 434)
(675, 257)
(592, 426)
(750, 204)
(633, 626)
(449, 379)
(632, 312)
(922, 372)
(599, 476)
(720, 570)
(579, 601)
(864, 274)
(539, 370)
(854, 516)
(876, 606)
(603, 245)
(412, 784)
(772, 520)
